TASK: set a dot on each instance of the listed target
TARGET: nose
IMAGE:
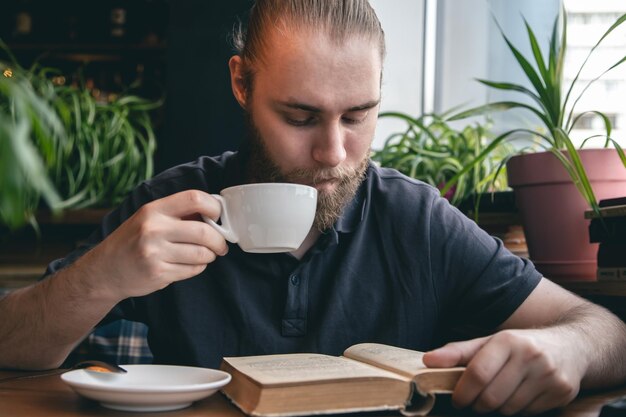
(329, 149)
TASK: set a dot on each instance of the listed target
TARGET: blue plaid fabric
(121, 342)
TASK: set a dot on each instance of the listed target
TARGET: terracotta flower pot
(552, 209)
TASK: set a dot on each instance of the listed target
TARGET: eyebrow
(306, 107)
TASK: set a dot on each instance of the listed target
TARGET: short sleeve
(479, 282)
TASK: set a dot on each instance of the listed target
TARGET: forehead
(310, 67)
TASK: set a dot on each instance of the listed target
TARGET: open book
(368, 377)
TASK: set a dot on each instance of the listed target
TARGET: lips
(325, 180)
(326, 185)
(315, 179)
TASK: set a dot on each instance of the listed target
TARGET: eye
(354, 118)
(299, 122)
(351, 121)
(299, 118)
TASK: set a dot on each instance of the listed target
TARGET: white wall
(401, 90)
(463, 32)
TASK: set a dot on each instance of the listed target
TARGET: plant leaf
(489, 108)
(605, 119)
(543, 71)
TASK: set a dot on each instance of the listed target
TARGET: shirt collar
(235, 171)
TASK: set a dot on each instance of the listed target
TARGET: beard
(330, 203)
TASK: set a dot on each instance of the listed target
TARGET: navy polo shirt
(401, 266)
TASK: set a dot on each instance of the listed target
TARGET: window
(591, 121)
(592, 18)
(587, 22)
(469, 47)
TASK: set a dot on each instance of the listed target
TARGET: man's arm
(553, 344)
(600, 335)
(41, 324)
(158, 245)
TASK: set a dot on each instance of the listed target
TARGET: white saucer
(147, 387)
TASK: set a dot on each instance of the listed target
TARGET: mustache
(318, 175)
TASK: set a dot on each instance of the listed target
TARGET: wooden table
(48, 396)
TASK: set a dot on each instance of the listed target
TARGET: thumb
(454, 354)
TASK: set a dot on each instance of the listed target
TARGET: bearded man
(387, 260)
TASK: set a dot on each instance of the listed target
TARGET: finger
(453, 354)
(189, 202)
(197, 233)
(179, 272)
(510, 387)
(546, 401)
(541, 388)
(480, 372)
(189, 254)
(527, 392)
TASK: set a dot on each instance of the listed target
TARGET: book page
(407, 363)
(402, 361)
(297, 368)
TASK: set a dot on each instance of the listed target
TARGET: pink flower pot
(552, 209)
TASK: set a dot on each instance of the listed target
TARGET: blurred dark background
(202, 116)
(178, 50)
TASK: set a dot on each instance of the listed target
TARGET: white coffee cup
(267, 217)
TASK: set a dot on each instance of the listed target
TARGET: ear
(236, 79)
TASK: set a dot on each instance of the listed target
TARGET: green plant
(548, 104)
(107, 147)
(23, 176)
(430, 150)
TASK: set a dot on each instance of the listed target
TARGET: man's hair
(339, 19)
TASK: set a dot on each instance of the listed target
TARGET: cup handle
(225, 228)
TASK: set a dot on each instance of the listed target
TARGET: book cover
(611, 274)
(609, 202)
(610, 230)
(609, 207)
(612, 255)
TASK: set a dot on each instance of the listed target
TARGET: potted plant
(431, 150)
(554, 187)
(66, 146)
